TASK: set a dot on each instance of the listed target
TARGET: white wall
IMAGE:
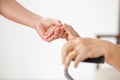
(23, 55)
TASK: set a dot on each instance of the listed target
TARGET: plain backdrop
(23, 55)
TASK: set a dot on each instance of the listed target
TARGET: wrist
(37, 21)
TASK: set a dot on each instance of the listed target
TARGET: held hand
(71, 33)
(67, 32)
(49, 29)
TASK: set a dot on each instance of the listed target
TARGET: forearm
(114, 57)
(117, 58)
(16, 12)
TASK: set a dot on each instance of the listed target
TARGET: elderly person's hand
(80, 49)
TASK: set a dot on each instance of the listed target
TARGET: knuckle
(66, 45)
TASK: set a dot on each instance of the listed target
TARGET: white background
(23, 55)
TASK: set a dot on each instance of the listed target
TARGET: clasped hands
(76, 48)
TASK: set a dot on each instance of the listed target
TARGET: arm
(113, 58)
(14, 11)
(17, 13)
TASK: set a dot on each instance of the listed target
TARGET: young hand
(50, 29)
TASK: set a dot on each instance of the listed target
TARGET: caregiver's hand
(49, 29)
(14, 11)
(80, 49)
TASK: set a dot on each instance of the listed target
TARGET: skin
(12, 10)
(85, 48)
(51, 29)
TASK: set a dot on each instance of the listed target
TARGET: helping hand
(50, 29)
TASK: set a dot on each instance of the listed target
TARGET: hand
(80, 49)
(49, 29)
(71, 33)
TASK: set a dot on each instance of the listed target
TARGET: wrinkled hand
(50, 29)
(80, 49)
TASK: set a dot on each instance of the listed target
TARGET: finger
(54, 36)
(57, 32)
(51, 38)
(47, 22)
(62, 31)
(50, 32)
(68, 47)
(65, 36)
(70, 31)
(81, 57)
(69, 58)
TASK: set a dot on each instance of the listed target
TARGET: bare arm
(14, 11)
(113, 58)
(17, 13)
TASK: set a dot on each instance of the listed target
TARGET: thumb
(70, 31)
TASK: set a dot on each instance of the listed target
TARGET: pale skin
(51, 29)
(47, 28)
(84, 48)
